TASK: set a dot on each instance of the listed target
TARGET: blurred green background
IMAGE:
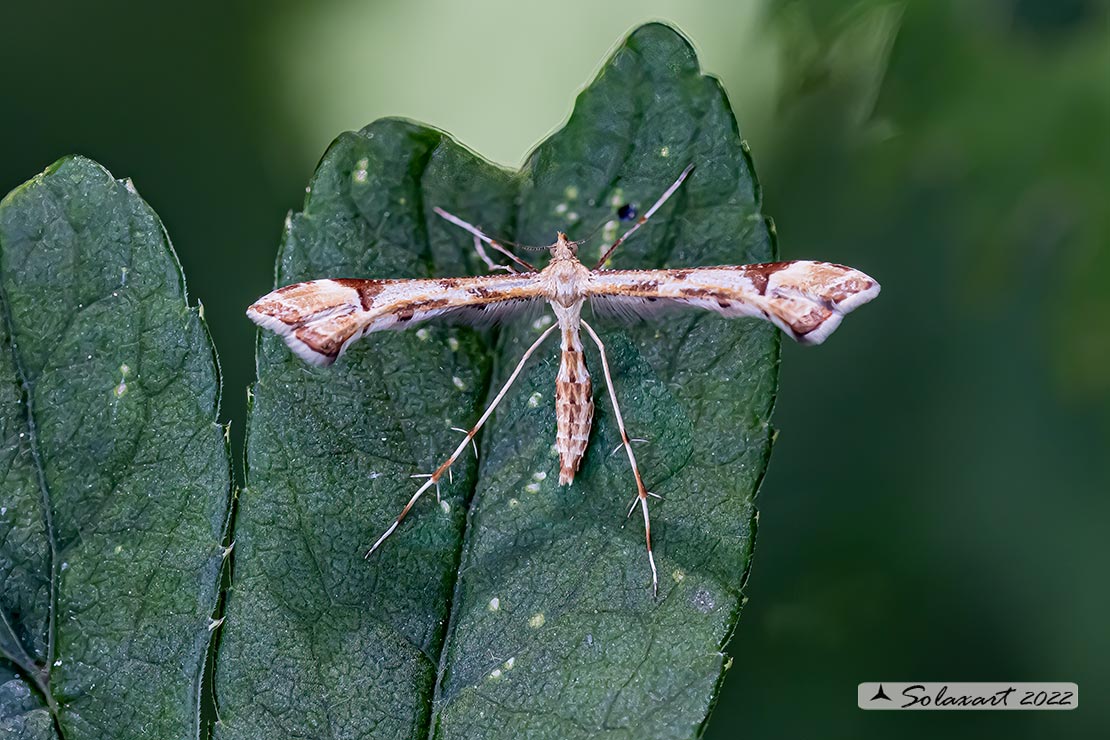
(938, 504)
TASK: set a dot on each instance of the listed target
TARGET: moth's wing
(805, 299)
(319, 319)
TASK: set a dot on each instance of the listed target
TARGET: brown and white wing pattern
(807, 300)
(319, 319)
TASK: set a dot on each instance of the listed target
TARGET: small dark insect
(627, 212)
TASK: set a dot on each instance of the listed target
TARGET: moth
(319, 320)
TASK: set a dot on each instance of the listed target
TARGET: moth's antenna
(482, 235)
(643, 219)
(576, 242)
(593, 231)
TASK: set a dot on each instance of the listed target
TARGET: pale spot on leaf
(361, 174)
(704, 601)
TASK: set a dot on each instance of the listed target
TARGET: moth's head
(563, 248)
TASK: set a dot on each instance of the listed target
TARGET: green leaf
(115, 473)
(515, 607)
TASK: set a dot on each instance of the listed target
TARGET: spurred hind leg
(641, 492)
(433, 478)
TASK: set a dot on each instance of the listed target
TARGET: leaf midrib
(494, 351)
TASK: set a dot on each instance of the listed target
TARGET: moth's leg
(641, 492)
(433, 478)
(648, 214)
(482, 236)
(489, 263)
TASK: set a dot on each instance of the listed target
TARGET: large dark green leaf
(515, 607)
(114, 471)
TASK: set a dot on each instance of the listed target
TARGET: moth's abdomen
(574, 407)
